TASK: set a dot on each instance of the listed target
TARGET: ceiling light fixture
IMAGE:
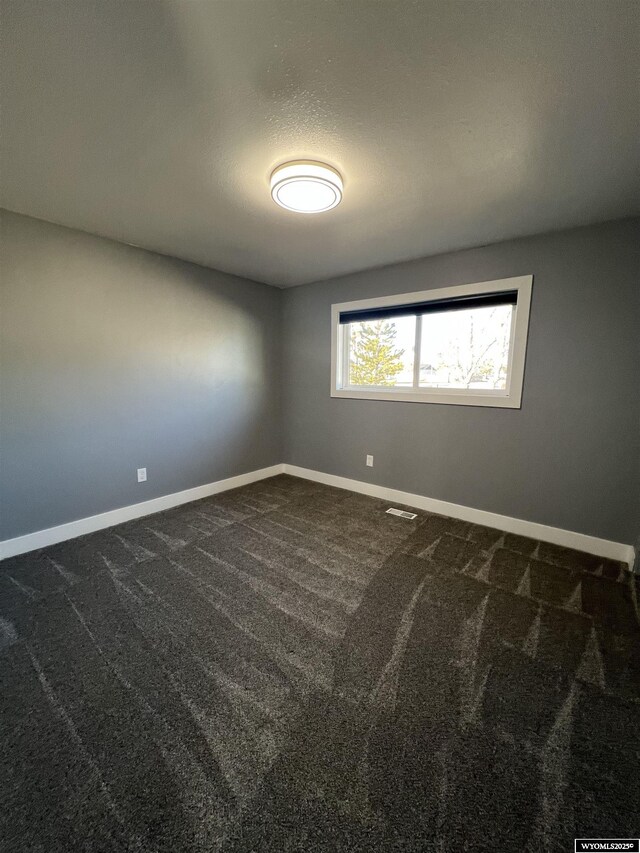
(306, 187)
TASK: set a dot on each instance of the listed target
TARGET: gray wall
(570, 457)
(114, 358)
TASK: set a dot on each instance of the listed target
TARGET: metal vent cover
(393, 511)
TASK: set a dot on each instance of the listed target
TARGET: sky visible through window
(458, 349)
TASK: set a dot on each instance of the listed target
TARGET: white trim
(509, 399)
(557, 536)
(52, 535)
(567, 538)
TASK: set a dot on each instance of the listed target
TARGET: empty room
(319, 426)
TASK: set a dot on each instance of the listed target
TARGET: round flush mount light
(306, 186)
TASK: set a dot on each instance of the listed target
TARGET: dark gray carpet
(287, 668)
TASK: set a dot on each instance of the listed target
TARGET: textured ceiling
(454, 123)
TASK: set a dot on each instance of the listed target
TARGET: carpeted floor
(287, 668)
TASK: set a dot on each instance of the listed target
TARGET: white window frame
(509, 398)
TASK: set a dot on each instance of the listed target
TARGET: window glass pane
(466, 349)
(381, 352)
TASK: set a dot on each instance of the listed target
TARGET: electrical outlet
(370, 461)
(142, 475)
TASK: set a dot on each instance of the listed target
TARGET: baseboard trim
(567, 538)
(52, 535)
(555, 535)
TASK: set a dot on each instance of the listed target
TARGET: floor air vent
(393, 511)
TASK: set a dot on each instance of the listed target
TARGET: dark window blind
(434, 306)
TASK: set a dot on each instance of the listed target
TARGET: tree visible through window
(466, 349)
(374, 358)
(458, 349)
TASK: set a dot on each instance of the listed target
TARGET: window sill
(450, 397)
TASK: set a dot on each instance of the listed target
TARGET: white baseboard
(555, 535)
(567, 538)
(52, 535)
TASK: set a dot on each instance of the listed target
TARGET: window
(463, 345)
